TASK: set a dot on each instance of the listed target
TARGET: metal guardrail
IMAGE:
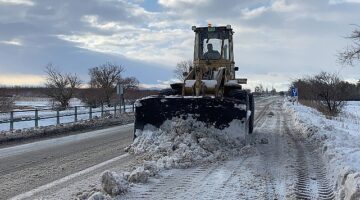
(43, 114)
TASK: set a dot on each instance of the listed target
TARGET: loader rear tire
(252, 116)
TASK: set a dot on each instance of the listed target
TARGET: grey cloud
(37, 26)
(303, 40)
(297, 42)
(33, 59)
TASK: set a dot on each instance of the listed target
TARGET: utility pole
(120, 93)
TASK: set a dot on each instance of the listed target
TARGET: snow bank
(339, 141)
(139, 175)
(113, 184)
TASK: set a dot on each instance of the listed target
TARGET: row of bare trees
(259, 89)
(327, 92)
(103, 80)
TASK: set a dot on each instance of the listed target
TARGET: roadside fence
(18, 119)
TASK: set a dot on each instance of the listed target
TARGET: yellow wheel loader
(210, 92)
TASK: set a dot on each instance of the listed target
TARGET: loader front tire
(248, 99)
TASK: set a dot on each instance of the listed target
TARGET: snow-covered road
(284, 168)
(280, 165)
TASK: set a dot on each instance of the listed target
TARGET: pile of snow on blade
(183, 143)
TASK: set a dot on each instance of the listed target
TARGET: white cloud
(269, 81)
(142, 44)
(157, 40)
(334, 2)
(282, 6)
(93, 21)
(21, 79)
(276, 6)
(15, 42)
(161, 84)
(18, 2)
(274, 35)
(181, 3)
(249, 14)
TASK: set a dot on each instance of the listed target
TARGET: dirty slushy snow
(184, 143)
(180, 143)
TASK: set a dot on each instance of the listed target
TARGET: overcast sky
(275, 40)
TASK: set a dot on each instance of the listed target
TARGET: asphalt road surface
(28, 166)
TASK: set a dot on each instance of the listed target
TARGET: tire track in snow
(260, 116)
(312, 182)
(325, 190)
(273, 156)
(271, 160)
(178, 183)
(304, 189)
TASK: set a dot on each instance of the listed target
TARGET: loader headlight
(193, 28)
(228, 26)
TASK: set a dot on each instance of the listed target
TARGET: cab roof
(212, 28)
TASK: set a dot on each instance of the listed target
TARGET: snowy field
(25, 115)
(42, 103)
(339, 142)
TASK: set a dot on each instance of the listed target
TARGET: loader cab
(213, 43)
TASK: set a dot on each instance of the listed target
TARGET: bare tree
(131, 88)
(61, 86)
(181, 67)
(133, 94)
(330, 93)
(106, 76)
(130, 83)
(93, 97)
(6, 102)
(326, 90)
(352, 52)
(273, 91)
(259, 89)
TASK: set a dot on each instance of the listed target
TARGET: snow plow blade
(212, 111)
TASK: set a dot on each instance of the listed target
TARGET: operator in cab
(211, 54)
